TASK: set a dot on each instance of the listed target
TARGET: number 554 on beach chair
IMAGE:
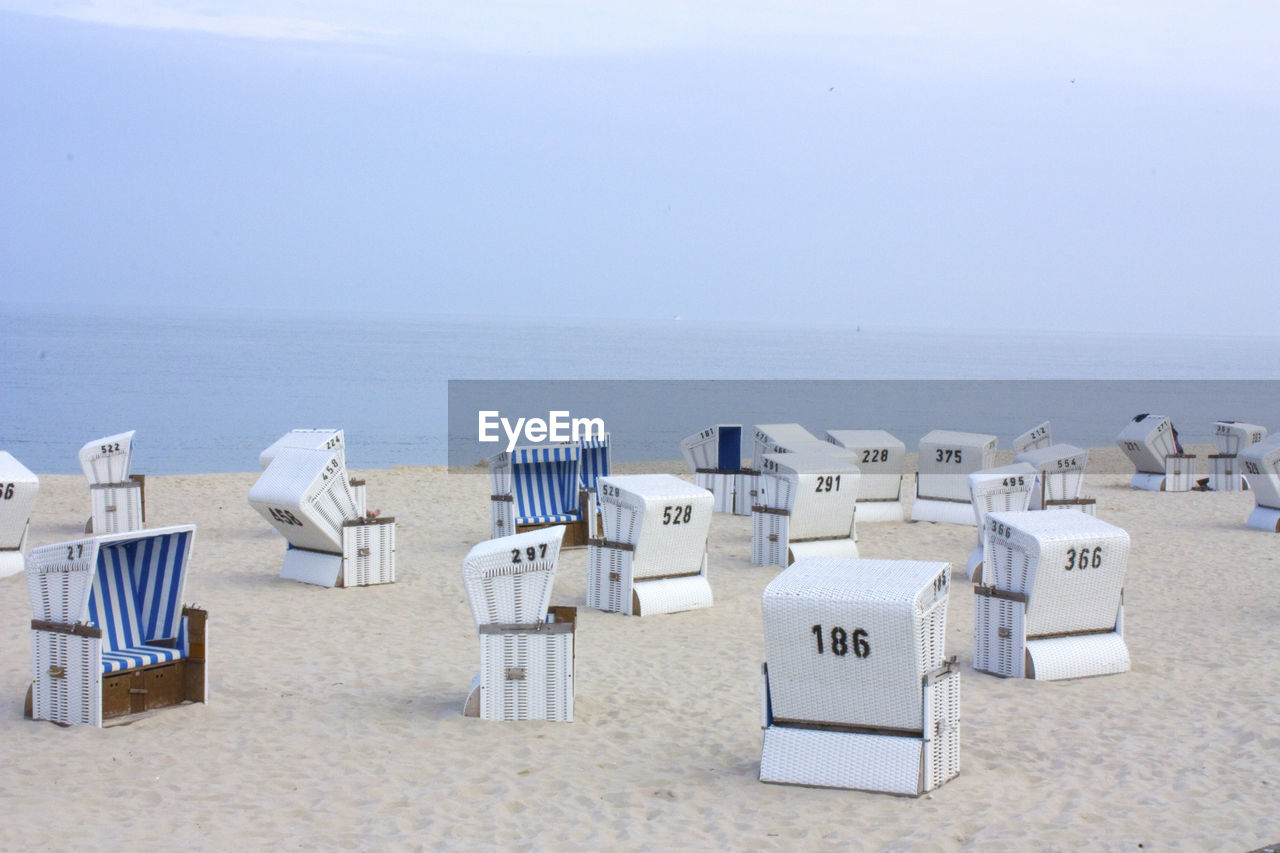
(117, 498)
(537, 486)
(18, 490)
(110, 635)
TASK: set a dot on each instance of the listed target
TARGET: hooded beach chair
(110, 635)
(307, 497)
(806, 509)
(1151, 443)
(593, 463)
(1232, 437)
(1001, 489)
(117, 498)
(316, 439)
(1059, 477)
(880, 458)
(714, 457)
(1261, 465)
(1035, 438)
(857, 691)
(1053, 602)
(526, 646)
(943, 465)
(535, 486)
(652, 554)
(18, 490)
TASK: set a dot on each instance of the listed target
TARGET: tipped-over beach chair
(806, 509)
(1232, 437)
(118, 498)
(943, 465)
(857, 689)
(1261, 465)
(880, 458)
(18, 490)
(526, 646)
(316, 439)
(110, 635)
(1059, 477)
(652, 555)
(1053, 603)
(1035, 438)
(536, 486)
(714, 457)
(306, 496)
(1151, 443)
(1001, 489)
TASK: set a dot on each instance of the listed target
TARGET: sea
(207, 393)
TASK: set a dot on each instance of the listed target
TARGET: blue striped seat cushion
(114, 661)
(559, 518)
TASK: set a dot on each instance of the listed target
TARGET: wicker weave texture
(306, 496)
(862, 762)
(369, 554)
(819, 492)
(107, 459)
(1231, 437)
(508, 580)
(721, 487)
(1261, 464)
(1001, 489)
(1147, 442)
(1040, 435)
(18, 490)
(66, 674)
(306, 439)
(946, 459)
(673, 595)
(526, 676)
(665, 518)
(1179, 472)
(1078, 657)
(879, 456)
(116, 508)
(1060, 468)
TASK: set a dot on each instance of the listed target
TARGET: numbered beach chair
(1261, 465)
(1232, 437)
(714, 457)
(593, 463)
(1007, 487)
(807, 509)
(857, 690)
(1053, 603)
(943, 465)
(18, 490)
(881, 459)
(536, 486)
(316, 439)
(306, 496)
(526, 646)
(1059, 477)
(117, 498)
(1151, 443)
(110, 635)
(1035, 438)
(652, 556)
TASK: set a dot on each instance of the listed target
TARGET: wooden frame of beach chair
(652, 554)
(714, 457)
(117, 499)
(856, 689)
(1007, 487)
(1261, 465)
(594, 462)
(307, 497)
(1059, 477)
(536, 486)
(526, 646)
(1040, 435)
(1147, 440)
(807, 508)
(1053, 603)
(18, 490)
(109, 634)
(881, 459)
(1232, 437)
(943, 464)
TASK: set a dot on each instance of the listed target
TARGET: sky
(1104, 166)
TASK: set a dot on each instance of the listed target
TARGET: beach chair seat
(1261, 465)
(1000, 489)
(714, 457)
(1059, 477)
(18, 490)
(1231, 437)
(1149, 441)
(807, 508)
(651, 556)
(307, 497)
(526, 646)
(1052, 606)
(538, 485)
(881, 459)
(857, 691)
(1040, 435)
(944, 461)
(110, 635)
(117, 498)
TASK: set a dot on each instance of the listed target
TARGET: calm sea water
(207, 394)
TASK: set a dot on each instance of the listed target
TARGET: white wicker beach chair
(714, 457)
(593, 463)
(526, 646)
(1035, 438)
(1059, 477)
(652, 555)
(880, 458)
(1007, 487)
(1232, 437)
(1261, 465)
(307, 497)
(1053, 603)
(536, 486)
(18, 490)
(117, 498)
(806, 509)
(1151, 443)
(857, 691)
(943, 465)
(110, 635)
(316, 439)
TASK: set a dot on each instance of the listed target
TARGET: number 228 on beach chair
(18, 490)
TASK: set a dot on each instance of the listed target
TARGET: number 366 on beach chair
(857, 691)
(807, 508)
(18, 490)
(110, 635)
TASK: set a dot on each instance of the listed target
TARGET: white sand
(334, 719)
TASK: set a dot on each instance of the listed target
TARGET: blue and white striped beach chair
(110, 633)
(593, 464)
(538, 486)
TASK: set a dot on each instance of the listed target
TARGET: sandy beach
(335, 715)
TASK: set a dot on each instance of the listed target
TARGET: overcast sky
(1086, 165)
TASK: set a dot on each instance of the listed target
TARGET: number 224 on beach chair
(18, 490)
